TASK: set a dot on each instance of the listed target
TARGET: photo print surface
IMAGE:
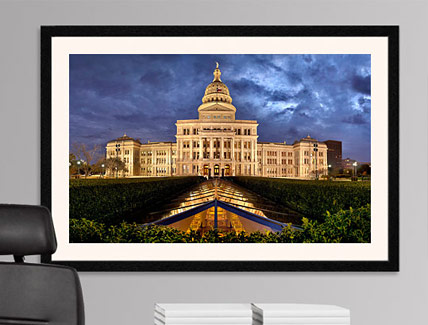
(221, 148)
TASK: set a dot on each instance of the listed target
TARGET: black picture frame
(391, 32)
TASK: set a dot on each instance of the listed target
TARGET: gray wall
(127, 298)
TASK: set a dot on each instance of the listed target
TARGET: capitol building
(216, 144)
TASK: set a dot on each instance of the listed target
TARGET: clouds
(291, 96)
(362, 84)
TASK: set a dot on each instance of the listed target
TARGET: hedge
(111, 201)
(351, 226)
(313, 199)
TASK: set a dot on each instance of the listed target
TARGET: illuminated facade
(216, 144)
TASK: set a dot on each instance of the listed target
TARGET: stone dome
(217, 91)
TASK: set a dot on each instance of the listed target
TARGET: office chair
(35, 294)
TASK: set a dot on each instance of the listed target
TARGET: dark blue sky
(291, 96)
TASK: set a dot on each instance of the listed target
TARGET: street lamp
(355, 164)
(78, 168)
(103, 171)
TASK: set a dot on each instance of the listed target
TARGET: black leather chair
(35, 294)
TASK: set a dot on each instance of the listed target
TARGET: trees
(72, 164)
(114, 166)
(90, 160)
(364, 169)
(318, 173)
(99, 167)
(85, 155)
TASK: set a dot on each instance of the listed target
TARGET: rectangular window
(186, 144)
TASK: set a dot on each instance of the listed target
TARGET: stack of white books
(299, 314)
(203, 314)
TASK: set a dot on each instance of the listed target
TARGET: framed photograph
(221, 148)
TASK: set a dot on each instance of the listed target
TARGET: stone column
(191, 156)
(200, 148)
(254, 155)
(155, 163)
(233, 164)
(169, 162)
(233, 148)
(222, 148)
(211, 156)
(179, 165)
(263, 162)
(191, 149)
(251, 156)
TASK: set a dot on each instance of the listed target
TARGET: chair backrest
(35, 294)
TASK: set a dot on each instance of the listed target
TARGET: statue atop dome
(217, 73)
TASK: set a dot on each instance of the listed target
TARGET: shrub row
(351, 226)
(313, 199)
(113, 200)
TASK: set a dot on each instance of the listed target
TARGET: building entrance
(216, 170)
(206, 170)
(227, 170)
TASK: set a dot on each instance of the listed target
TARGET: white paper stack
(300, 314)
(203, 314)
